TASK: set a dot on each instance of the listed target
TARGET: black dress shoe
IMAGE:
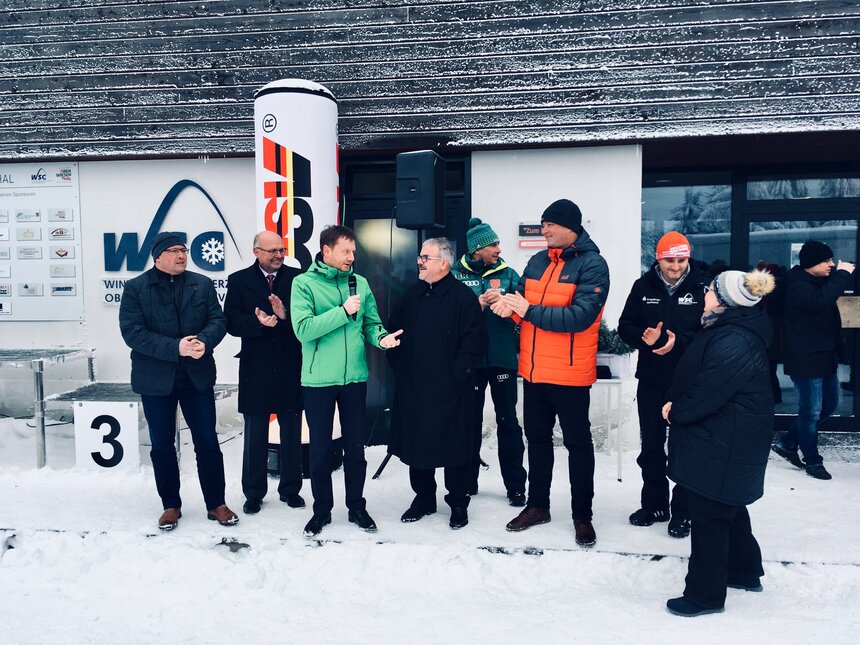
(459, 517)
(293, 500)
(364, 521)
(316, 524)
(517, 499)
(415, 513)
(251, 506)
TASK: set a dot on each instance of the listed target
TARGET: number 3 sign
(106, 435)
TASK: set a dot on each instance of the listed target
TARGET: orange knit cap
(673, 245)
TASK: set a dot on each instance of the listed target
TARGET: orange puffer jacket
(566, 290)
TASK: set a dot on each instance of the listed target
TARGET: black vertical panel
(386, 255)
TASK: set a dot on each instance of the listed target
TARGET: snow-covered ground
(86, 568)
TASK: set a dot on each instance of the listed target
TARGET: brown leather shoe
(169, 519)
(223, 515)
(529, 517)
(585, 535)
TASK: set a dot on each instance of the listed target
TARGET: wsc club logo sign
(207, 250)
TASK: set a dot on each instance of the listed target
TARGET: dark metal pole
(381, 466)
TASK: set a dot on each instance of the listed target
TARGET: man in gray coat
(172, 321)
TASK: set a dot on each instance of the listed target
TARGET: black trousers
(723, 549)
(652, 458)
(255, 456)
(319, 411)
(503, 390)
(424, 484)
(542, 403)
(198, 408)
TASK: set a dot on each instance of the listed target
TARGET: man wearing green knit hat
(483, 270)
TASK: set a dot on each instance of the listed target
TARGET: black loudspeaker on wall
(420, 190)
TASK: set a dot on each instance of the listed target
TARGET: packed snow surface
(82, 562)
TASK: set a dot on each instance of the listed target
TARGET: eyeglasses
(424, 258)
(175, 251)
(708, 288)
(281, 251)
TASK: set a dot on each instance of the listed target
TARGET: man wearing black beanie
(559, 302)
(172, 321)
(812, 340)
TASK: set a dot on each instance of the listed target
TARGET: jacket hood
(583, 244)
(753, 319)
(329, 272)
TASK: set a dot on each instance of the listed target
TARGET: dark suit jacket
(270, 360)
(152, 326)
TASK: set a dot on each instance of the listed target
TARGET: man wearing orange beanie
(662, 314)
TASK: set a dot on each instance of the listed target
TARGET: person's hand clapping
(652, 334)
(660, 351)
(267, 320)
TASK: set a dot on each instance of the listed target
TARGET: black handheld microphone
(352, 289)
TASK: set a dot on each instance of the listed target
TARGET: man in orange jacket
(559, 302)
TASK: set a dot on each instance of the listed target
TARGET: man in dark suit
(269, 369)
(172, 321)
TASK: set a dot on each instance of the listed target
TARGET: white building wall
(515, 186)
(123, 197)
(508, 188)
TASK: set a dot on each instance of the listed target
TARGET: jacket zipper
(345, 344)
(534, 331)
(314, 357)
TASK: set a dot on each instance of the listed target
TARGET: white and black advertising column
(298, 194)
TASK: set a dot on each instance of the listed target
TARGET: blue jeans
(198, 408)
(817, 399)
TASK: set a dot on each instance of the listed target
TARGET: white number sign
(106, 435)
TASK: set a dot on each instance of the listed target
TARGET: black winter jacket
(721, 421)
(152, 325)
(812, 325)
(649, 303)
(270, 363)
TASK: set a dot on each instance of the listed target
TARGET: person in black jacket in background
(662, 314)
(270, 365)
(720, 415)
(812, 331)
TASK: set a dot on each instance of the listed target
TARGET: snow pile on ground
(82, 561)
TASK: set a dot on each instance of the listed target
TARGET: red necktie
(271, 278)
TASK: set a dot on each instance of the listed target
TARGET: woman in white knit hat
(720, 415)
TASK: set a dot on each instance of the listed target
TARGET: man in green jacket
(486, 273)
(333, 326)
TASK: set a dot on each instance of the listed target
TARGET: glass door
(386, 256)
(779, 215)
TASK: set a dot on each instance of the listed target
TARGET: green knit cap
(479, 235)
